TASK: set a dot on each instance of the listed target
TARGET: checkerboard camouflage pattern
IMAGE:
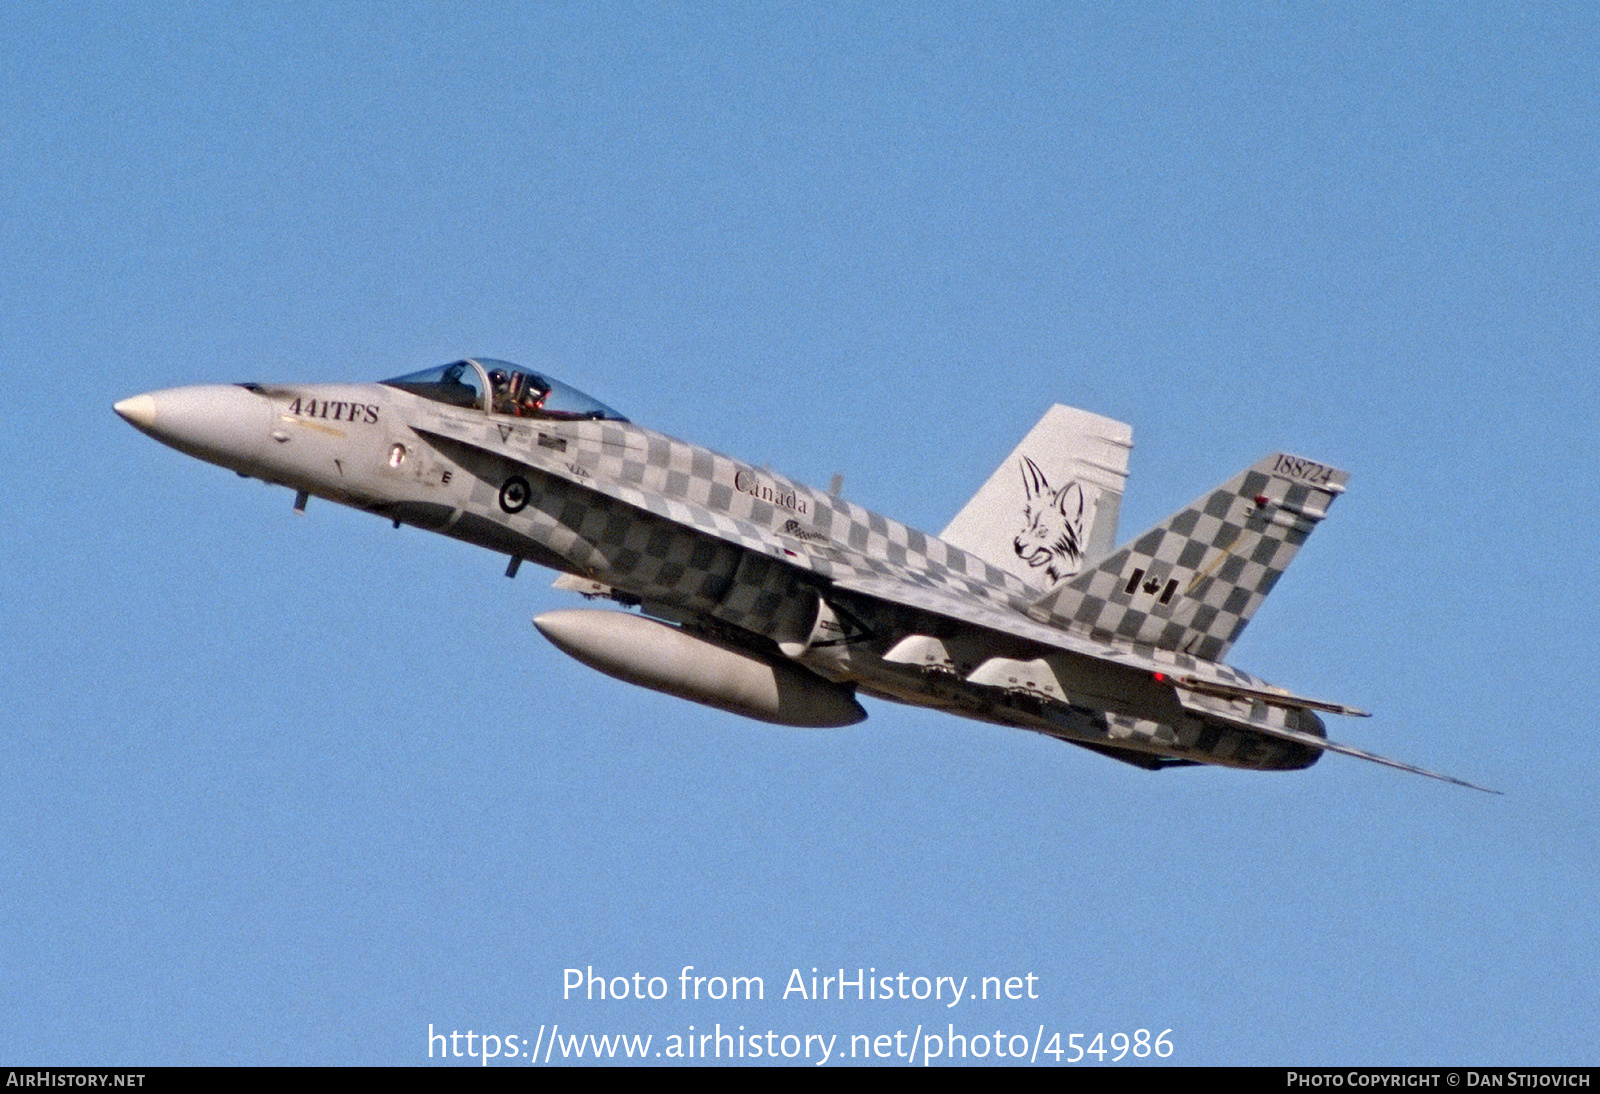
(703, 539)
(1186, 587)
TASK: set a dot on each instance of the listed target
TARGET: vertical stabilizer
(1193, 581)
(1052, 505)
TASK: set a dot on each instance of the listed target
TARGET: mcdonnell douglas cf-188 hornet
(763, 597)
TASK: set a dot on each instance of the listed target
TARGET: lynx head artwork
(1052, 525)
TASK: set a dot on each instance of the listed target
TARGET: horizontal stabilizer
(1311, 740)
(1274, 712)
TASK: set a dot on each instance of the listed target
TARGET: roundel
(514, 494)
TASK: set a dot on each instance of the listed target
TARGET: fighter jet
(761, 596)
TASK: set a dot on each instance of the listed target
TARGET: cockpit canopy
(500, 387)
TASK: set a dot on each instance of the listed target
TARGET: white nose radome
(220, 423)
(138, 410)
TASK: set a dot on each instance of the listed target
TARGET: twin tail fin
(1192, 583)
(1051, 507)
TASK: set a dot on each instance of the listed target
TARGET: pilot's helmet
(498, 378)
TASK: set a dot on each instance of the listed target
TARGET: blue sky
(290, 790)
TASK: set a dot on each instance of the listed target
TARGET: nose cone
(138, 411)
(220, 423)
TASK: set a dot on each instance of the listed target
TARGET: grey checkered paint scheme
(743, 545)
(700, 494)
(662, 518)
(1192, 583)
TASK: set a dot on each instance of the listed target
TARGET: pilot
(502, 401)
(534, 393)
